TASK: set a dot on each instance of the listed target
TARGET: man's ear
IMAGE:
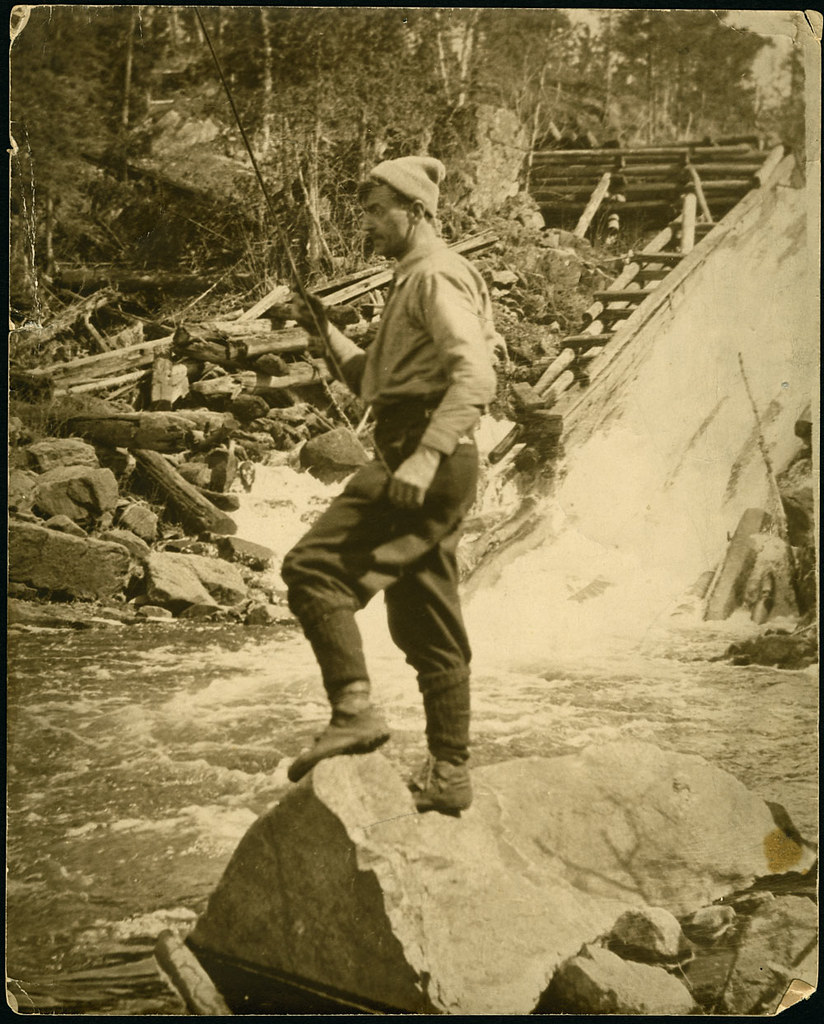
(417, 210)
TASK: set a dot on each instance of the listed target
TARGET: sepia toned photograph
(413, 511)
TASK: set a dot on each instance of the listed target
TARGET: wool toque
(416, 177)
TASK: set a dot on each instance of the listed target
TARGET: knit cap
(416, 177)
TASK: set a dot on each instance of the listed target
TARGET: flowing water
(139, 755)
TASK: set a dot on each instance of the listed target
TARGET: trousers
(363, 544)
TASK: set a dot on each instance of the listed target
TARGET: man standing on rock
(427, 376)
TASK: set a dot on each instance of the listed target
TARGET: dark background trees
(125, 152)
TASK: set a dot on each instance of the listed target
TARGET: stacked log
(648, 178)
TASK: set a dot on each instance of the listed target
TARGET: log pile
(579, 182)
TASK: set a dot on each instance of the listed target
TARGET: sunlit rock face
(343, 884)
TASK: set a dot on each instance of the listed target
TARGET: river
(139, 755)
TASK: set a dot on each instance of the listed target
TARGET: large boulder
(332, 456)
(80, 492)
(777, 939)
(344, 885)
(141, 520)
(598, 981)
(54, 561)
(178, 581)
(54, 452)
(22, 484)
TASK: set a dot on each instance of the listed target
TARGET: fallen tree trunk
(86, 369)
(193, 508)
(83, 279)
(32, 334)
(158, 431)
(230, 385)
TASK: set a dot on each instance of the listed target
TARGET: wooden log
(653, 273)
(564, 359)
(88, 368)
(581, 342)
(30, 335)
(688, 223)
(773, 160)
(282, 342)
(159, 431)
(557, 388)
(84, 278)
(232, 384)
(119, 380)
(188, 977)
(170, 382)
(591, 208)
(621, 295)
(194, 510)
(616, 312)
(643, 152)
(669, 258)
(699, 193)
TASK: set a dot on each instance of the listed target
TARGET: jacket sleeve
(350, 359)
(459, 321)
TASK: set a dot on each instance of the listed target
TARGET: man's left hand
(412, 479)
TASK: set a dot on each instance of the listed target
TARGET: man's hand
(311, 315)
(412, 479)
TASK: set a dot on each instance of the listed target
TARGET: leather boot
(441, 786)
(356, 727)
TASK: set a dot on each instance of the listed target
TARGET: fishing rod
(320, 328)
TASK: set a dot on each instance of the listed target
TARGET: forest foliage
(125, 151)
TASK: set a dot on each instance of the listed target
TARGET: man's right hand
(310, 314)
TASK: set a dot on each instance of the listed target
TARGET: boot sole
(364, 745)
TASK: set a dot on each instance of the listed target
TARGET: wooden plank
(621, 295)
(86, 368)
(585, 341)
(188, 977)
(101, 384)
(333, 294)
(770, 165)
(591, 208)
(690, 204)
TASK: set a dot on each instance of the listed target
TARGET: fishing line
(320, 328)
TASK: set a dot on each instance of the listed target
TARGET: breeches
(363, 544)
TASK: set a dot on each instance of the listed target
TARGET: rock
(153, 611)
(260, 614)
(65, 525)
(779, 650)
(79, 492)
(204, 610)
(25, 613)
(804, 425)
(647, 933)
(475, 915)
(598, 981)
(256, 556)
(708, 924)
(22, 483)
(246, 408)
(140, 520)
(136, 546)
(197, 473)
(504, 278)
(775, 940)
(53, 561)
(332, 456)
(177, 581)
(725, 595)
(61, 451)
(768, 590)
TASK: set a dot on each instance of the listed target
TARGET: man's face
(386, 222)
